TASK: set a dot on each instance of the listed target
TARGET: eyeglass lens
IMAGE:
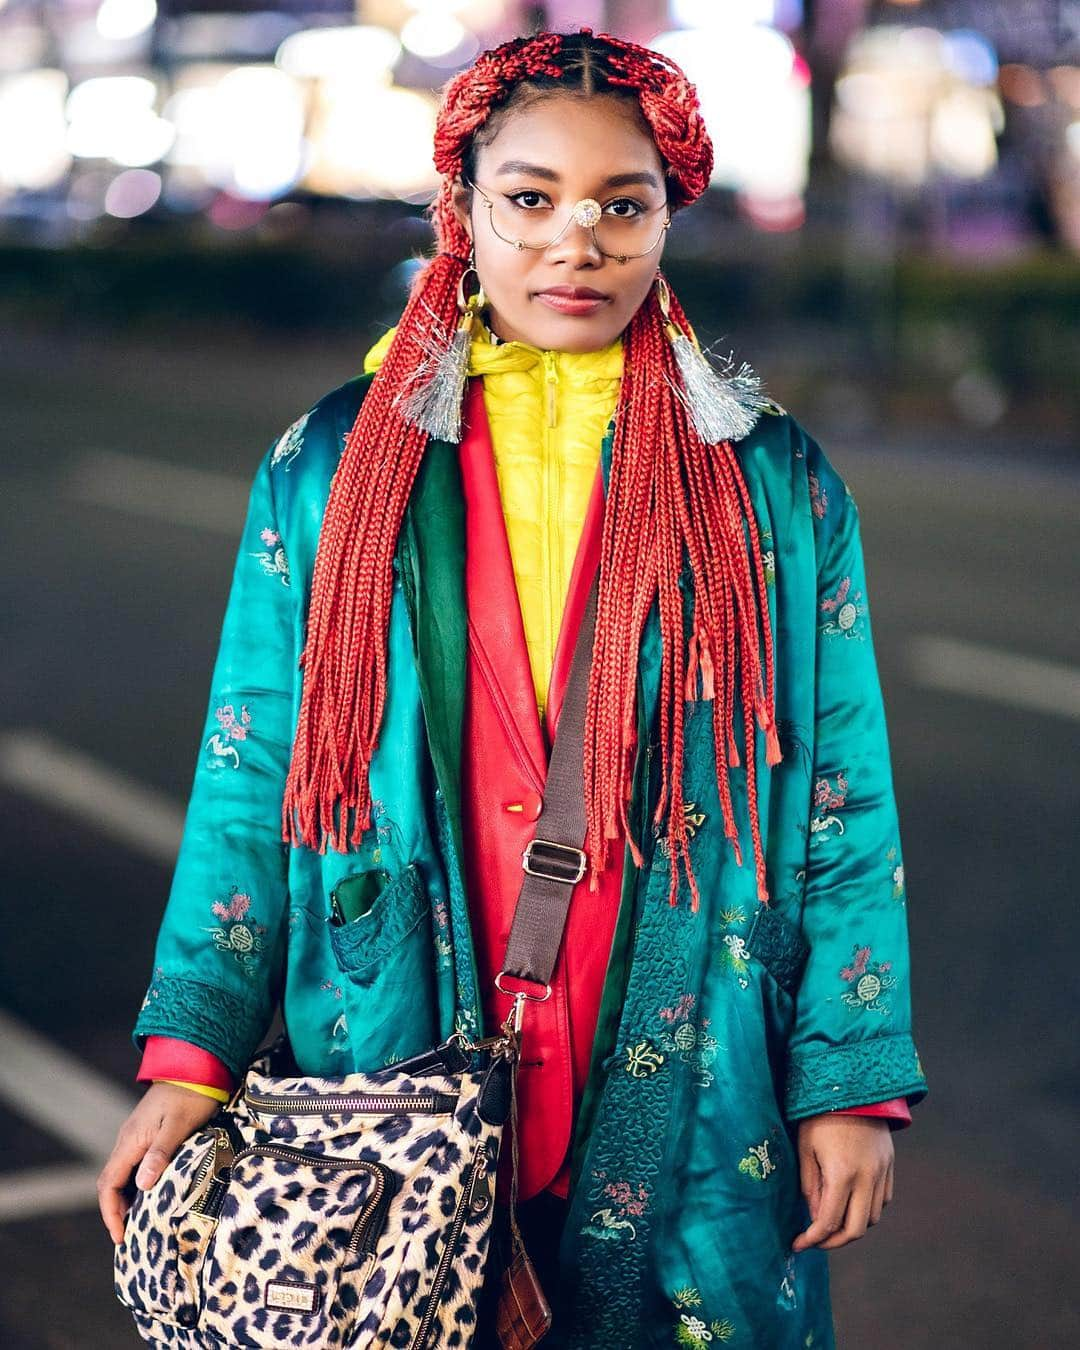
(619, 227)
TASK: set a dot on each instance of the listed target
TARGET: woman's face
(548, 156)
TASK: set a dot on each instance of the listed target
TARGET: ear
(460, 197)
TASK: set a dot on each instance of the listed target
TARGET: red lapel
(504, 765)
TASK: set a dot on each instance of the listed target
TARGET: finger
(889, 1183)
(856, 1215)
(112, 1180)
(877, 1202)
(830, 1215)
(810, 1179)
(157, 1156)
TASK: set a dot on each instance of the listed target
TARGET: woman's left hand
(846, 1173)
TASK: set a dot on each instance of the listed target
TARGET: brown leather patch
(523, 1315)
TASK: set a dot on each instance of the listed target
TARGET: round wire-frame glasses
(587, 213)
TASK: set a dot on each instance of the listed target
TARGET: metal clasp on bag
(520, 997)
(579, 855)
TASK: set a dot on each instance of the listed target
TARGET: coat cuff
(205, 1015)
(166, 1057)
(843, 1076)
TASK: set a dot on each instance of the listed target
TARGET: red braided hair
(668, 491)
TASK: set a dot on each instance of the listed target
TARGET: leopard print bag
(351, 1212)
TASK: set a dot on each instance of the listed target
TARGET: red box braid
(667, 491)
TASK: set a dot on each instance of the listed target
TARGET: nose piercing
(587, 212)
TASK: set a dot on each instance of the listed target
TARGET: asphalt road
(116, 571)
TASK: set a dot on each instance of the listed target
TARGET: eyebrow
(615, 180)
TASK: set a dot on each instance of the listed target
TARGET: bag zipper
(473, 1172)
(376, 1207)
(211, 1178)
(357, 1103)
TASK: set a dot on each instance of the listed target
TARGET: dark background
(924, 332)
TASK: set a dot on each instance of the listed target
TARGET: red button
(528, 807)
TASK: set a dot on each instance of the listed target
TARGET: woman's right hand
(149, 1138)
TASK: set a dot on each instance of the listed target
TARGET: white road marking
(198, 498)
(45, 1084)
(47, 1190)
(996, 675)
(57, 776)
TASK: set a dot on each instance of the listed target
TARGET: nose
(575, 246)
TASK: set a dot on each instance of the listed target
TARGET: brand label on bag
(292, 1297)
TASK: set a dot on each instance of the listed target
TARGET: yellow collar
(487, 355)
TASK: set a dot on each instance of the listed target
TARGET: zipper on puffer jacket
(551, 379)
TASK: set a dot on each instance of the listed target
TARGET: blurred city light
(912, 101)
(361, 53)
(132, 193)
(754, 92)
(350, 161)
(254, 104)
(125, 18)
(33, 130)
(113, 117)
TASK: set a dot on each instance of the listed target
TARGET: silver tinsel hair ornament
(432, 399)
(723, 406)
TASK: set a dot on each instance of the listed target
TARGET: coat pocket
(387, 955)
(293, 1247)
(780, 947)
(391, 915)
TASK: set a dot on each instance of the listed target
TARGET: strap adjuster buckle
(558, 862)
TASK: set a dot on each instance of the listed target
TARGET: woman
(708, 1095)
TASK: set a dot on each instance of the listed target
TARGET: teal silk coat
(719, 1029)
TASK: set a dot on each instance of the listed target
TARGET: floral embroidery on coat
(289, 444)
(819, 498)
(756, 1162)
(443, 946)
(243, 939)
(828, 799)
(383, 827)
(788, 1295)
(233, 728)
(846, 610)
(694, 821)
(614, 1222)
(734, 956)
(870, 981)
(643, 1059)
(692, 1329)
(690, 1041)
(897, 875)
(152, 992)
(768, 560)
(273, 561)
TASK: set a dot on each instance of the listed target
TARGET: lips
(574, 292)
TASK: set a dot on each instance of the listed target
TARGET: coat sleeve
(851, 1042)
(219, 958)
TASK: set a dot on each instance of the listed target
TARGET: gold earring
(478, 299)
(437, 387)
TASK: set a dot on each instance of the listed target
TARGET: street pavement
(125, 472)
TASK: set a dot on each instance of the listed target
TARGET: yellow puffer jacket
(548, 411)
